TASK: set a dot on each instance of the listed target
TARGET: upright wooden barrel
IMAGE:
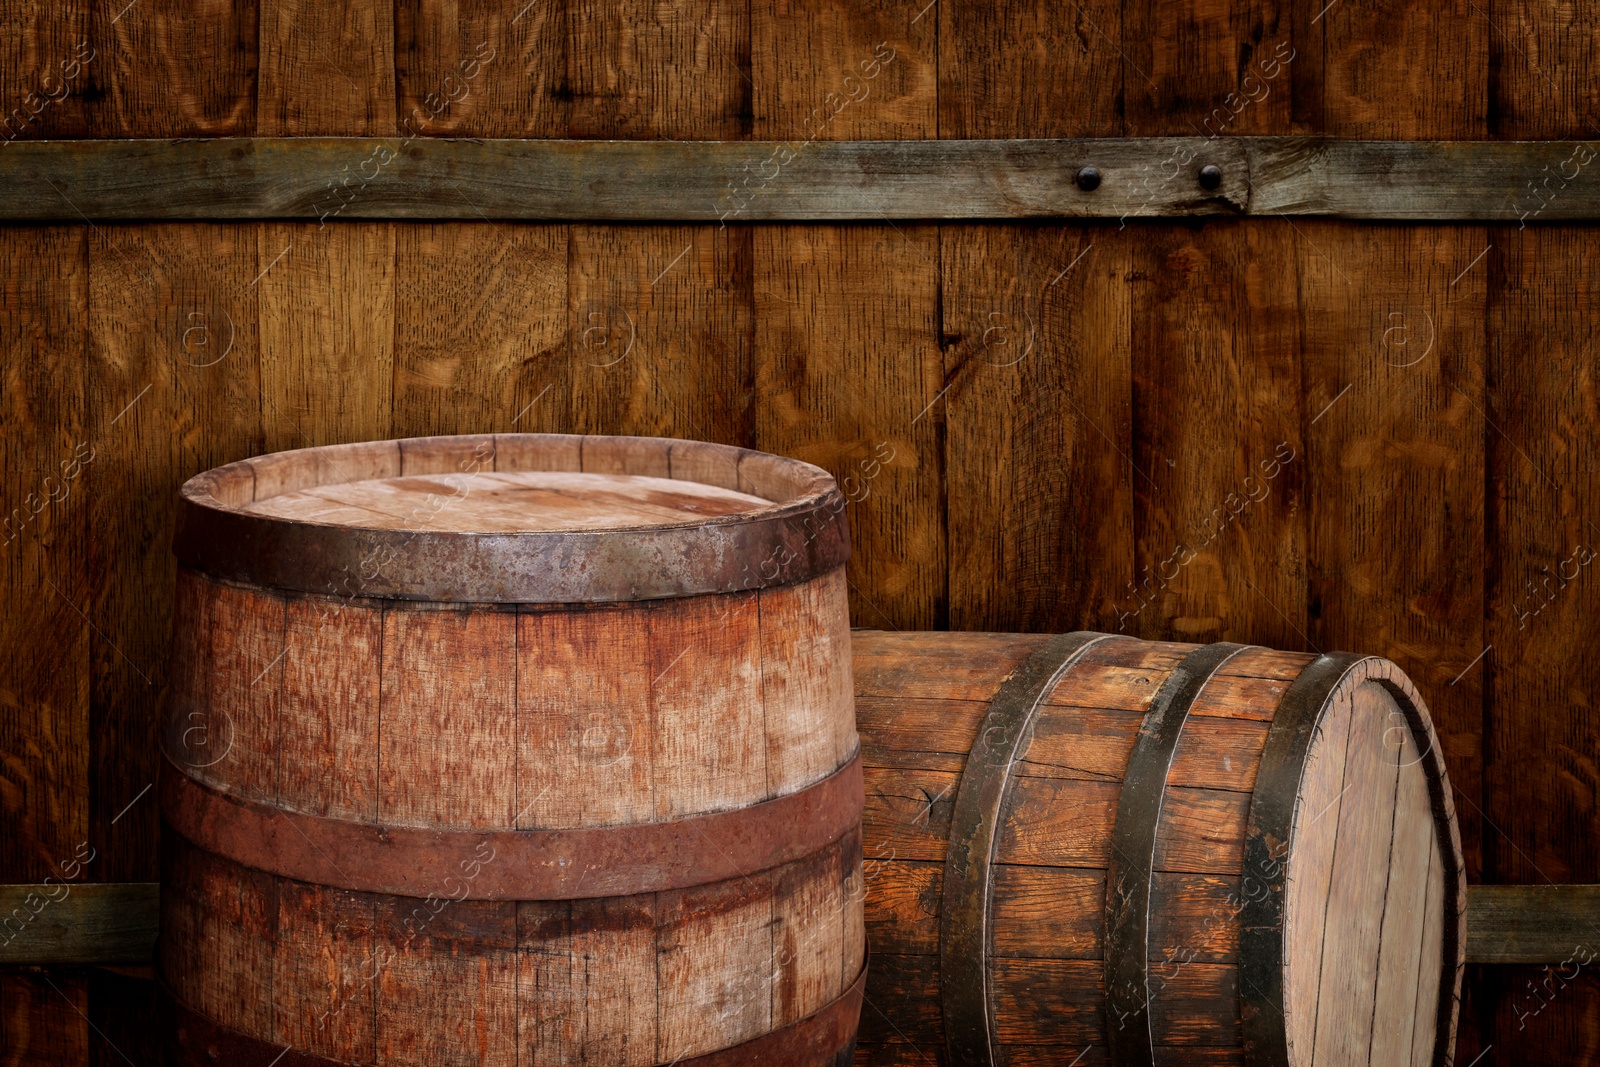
(1089, 849)
(512, 749)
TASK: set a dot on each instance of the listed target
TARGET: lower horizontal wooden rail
(115, 923)
(79, 922)
(334, 178)
(1533, 924)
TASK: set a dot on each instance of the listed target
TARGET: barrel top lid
(509, 502)
(519, 518)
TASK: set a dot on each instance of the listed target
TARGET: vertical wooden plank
(448, 673)
(1541, 63)
(326, 68)
(709, 747)
(330, 705)
(448, 993)
(175, 392)
(1036, 335)
(806, 685)
(1217, 429)
(52, 61)
(1034, 326)
(1400, 72)
(326, 291)
(481, 68)
(324, 999)
(327, 332)
(44, 1018)
(1544, 679)
(480, 327)
(639, 70)
(835, 72)
(808, 940)
(825, 295)
(1205, 69)
(1031, 70)
(714, 965)
(1394, 465)
(46, 450)
(658, 314)
(168, 68)
(584, 717)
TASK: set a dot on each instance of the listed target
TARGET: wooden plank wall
(1303, 434)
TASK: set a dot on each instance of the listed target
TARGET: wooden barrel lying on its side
(512, 749)
(1090, 849)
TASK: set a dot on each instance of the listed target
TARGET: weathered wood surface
(326, 178)
(88, 922)
(1558, 924)
(313, 735)
(1370, 859)
(1430, 488)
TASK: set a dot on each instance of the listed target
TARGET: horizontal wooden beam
(824, 181)
(115, 922)
(1533, 924)
(82, 922)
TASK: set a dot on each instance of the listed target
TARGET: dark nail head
(1089, 179)
(1210, 176)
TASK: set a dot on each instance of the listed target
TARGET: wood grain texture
(717, 182)
(1025, 314)
(51, 63)
(1031, 70)
(327, 316)
(1217, 415)
(709, 749)
(171, 69)
(63, 922)
(1206, 68)
(480, 68)
(1541, 737)
(659, 340)
(479, 328)
(1365, 833)
(1538, 58)
(1393, 350)
(583, 724)
(43, 1018)
(1343, 1013)
(1529, 923)
(326, 68)
(1386, 75)
(48, 447)
(820, 294)
(449, 674)
(174, 393)
(807, 689)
